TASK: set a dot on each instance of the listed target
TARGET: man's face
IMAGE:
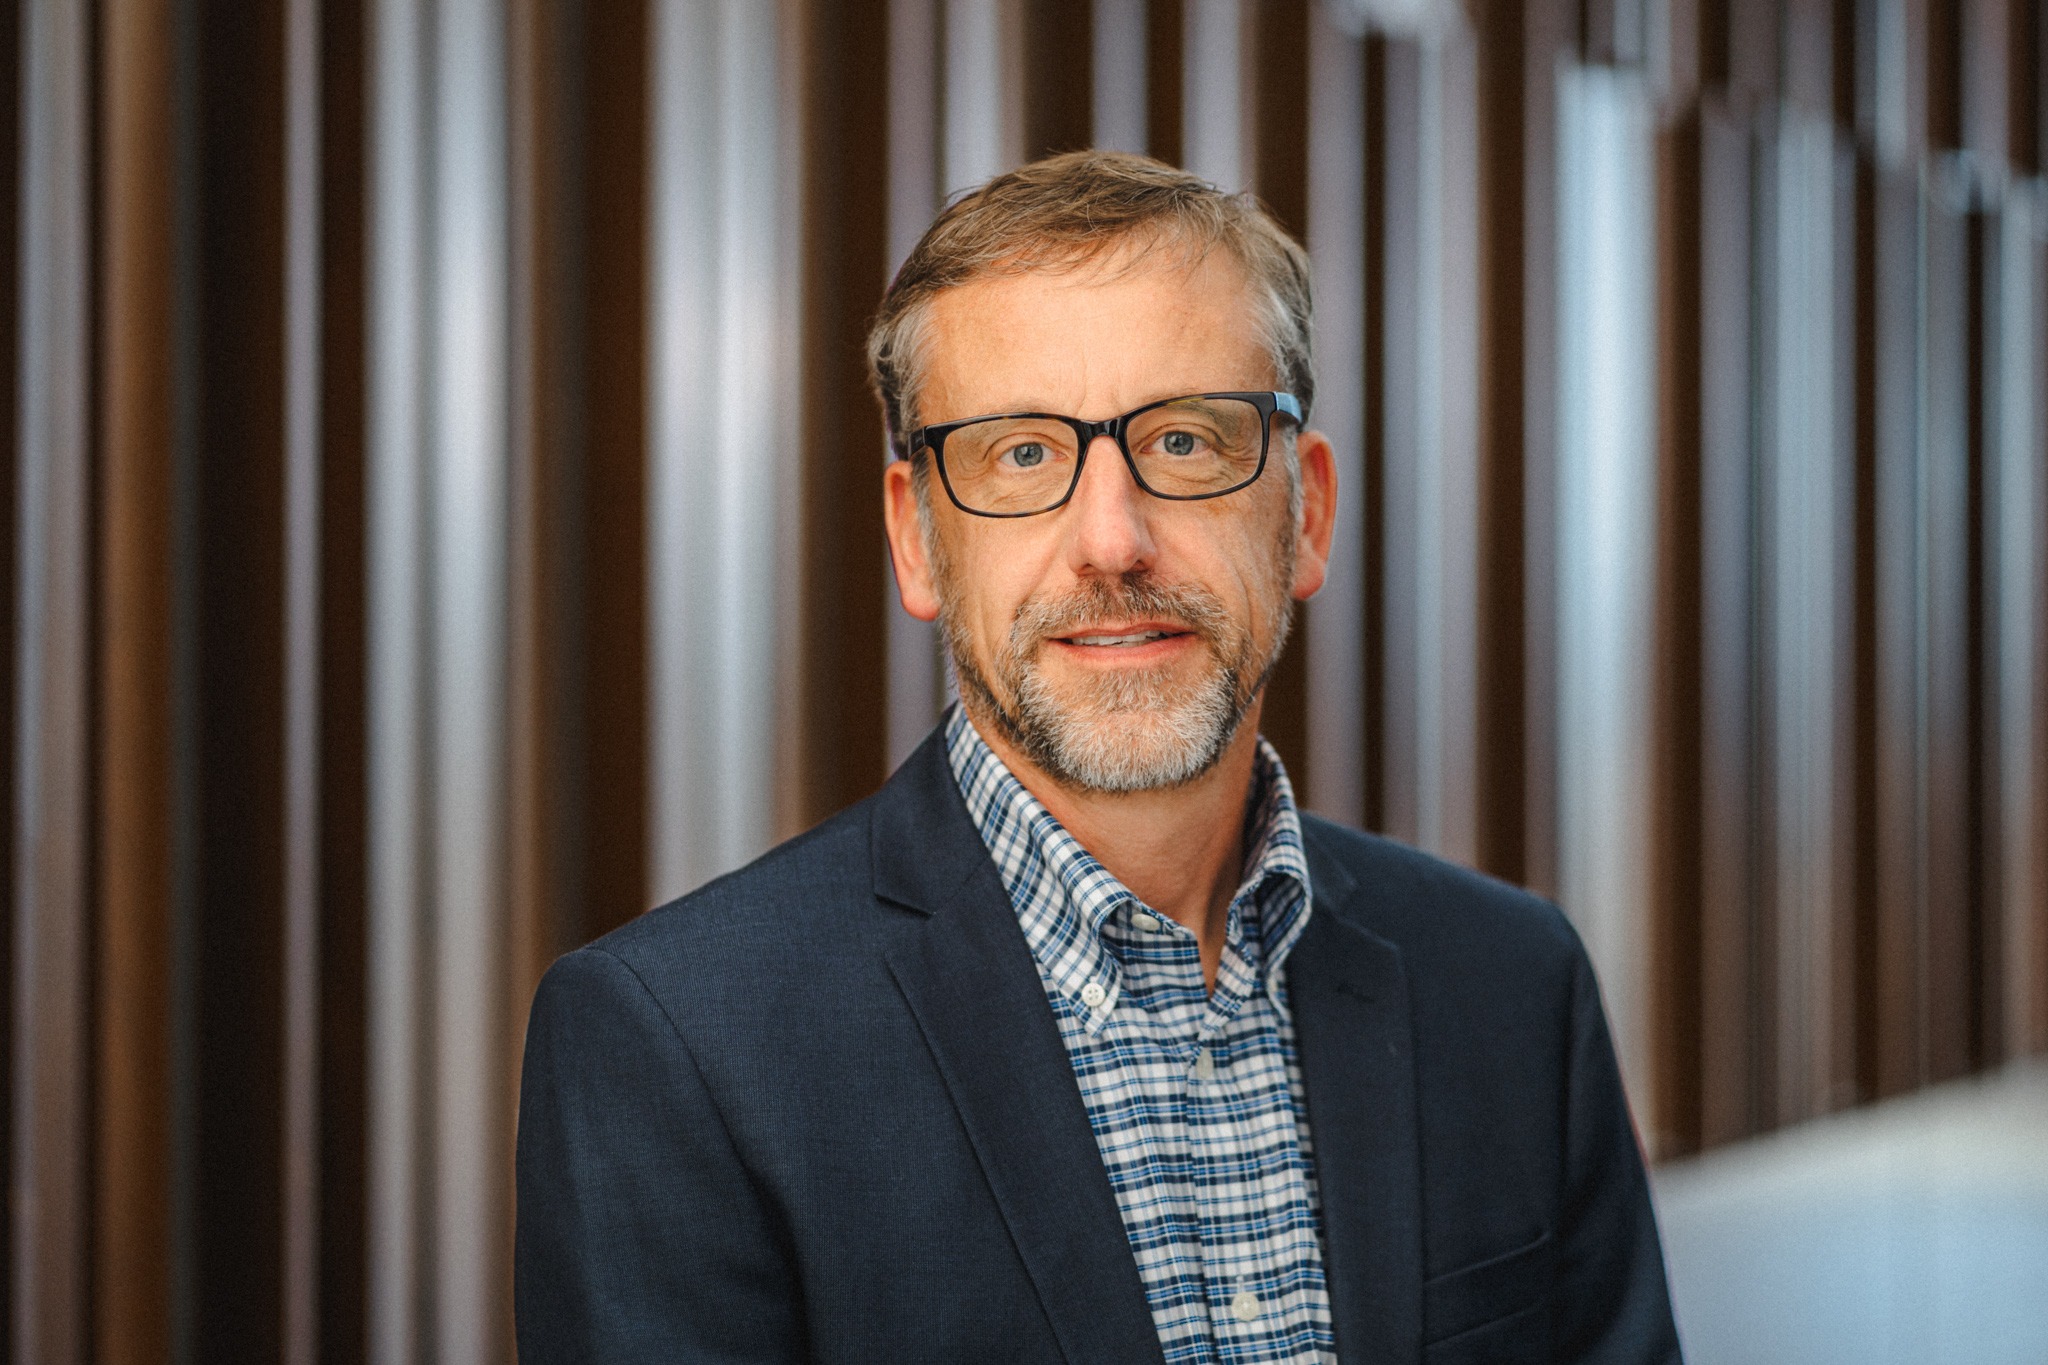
(1120, 641)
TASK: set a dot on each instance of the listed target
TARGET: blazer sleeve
(1614, 1307)
(640, 1236)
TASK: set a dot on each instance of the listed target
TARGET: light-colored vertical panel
(1803, 488)
(467, 681)
(1606, 516)
(48, 1203)
(1119, 75)
(300, 1332)
(1336, 240)
(1446, 509)
(984, 125)
(398, 770)
(1216, 64)
(722, 434)
(2021, 460)
(1402, 304)
(913, 648)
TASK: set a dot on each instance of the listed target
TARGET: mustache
(1129, 597)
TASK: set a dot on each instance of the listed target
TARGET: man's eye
(1179, 443)
(1029, 455)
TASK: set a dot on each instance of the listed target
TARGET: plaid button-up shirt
(1196, 1098)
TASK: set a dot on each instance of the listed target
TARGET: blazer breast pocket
(1496, 1310)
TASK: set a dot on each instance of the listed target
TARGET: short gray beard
(1129, 732)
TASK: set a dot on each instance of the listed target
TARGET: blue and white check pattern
(1196, 1098)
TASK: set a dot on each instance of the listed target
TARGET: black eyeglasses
(1019, 464)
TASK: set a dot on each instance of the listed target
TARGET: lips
(1123, 637)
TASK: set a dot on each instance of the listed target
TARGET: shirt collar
(1030, 847)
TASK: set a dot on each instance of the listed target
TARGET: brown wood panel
(612, 533)
(846, 264)
(1503, 187)
(1165, 37)
(140, 609)
(235, 789)
(1943, 36)
(1675, 1111)
(1058, 68)
(1279, 176)
(1732, 1043)
(1982, 807)
(11, 153)
(343, 866)
(1373, 456)
(2027, 48)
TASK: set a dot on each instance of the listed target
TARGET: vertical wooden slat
(236, 790)
(610, 570)
(12, 158)
(541, 95)
(1116, 57)
(1981, 736)
(1165, 39)
(1677, 947)
(342, 867)
(1900, 1061)
(1547, 37)
(914, 142)
(1278, 58)
(846, 208)
(1945, 607)
(53, 803)
(1372, 491)
(299, 1341)
(1334, 652)
(1394, 83)
(1059, 75)
(2033, 810)
(1728, 879)
(1501, 629)
(1864, 894)
(136, 1258)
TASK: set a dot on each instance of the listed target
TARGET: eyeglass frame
(933, 436)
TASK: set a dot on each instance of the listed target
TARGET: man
(1078, 1041)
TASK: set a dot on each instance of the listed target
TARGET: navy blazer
(819, 1110)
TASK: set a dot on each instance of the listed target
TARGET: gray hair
(1065, 212)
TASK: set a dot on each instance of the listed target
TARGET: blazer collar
(970, 982)
(1355, 1037)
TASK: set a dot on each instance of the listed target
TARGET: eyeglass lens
(1190, 448)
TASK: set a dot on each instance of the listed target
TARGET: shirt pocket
(1495, 1310)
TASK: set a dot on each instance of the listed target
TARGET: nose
(1108, 518)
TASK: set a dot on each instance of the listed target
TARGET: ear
(1318, 512)
(906, 542)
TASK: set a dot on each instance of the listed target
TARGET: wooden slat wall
(262, 1026)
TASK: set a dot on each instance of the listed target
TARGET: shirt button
(1148, 923)
(1245, 1305)
(1092, 995)
(1205, 1069)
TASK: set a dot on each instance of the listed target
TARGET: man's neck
(1179, 850)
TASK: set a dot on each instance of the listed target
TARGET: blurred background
(442, 520)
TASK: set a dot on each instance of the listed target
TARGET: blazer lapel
(1352, 1026)
(969, 980)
